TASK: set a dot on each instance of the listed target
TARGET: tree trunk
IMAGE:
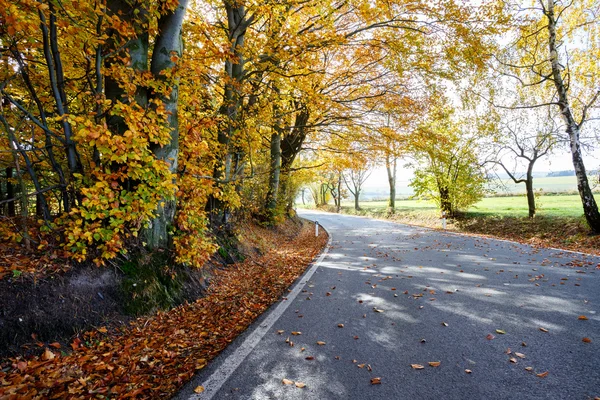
(356, 205)
(339, 193)
(274, 175)
(390, 166)
(445, 202)
(590, 208)
(530, 193)
(10, 192)
(168, 43)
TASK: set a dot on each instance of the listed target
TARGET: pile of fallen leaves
(543, 231)
(154, 357)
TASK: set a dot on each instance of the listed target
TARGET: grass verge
(559, 222)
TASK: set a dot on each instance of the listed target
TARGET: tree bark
(590, 207)
(530, 193)
(390, 166)
(10, 192)
(275, 173)
(167, 44)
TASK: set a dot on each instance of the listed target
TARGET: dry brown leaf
(361, 365)
(543, 329)
(287, 382)
(528, 369)
(500, 331)
(310, 358)
(542, 375)
(444, 324)
(586, 340)
(417, 366)
(490, 336)
(300, 384)
(340, 325)
(520, 355)
(321, 343)
(48, 355)
(296, 333)
(199, 389)
(513, 360)
(434, 363)
(375, 381)
(582, 318)
(468, 371)
(280, 331)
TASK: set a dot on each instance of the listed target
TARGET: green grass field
(547, 184)
(514, 206)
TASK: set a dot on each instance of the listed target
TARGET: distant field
(559, 184)
(553, 184)
(515, 206)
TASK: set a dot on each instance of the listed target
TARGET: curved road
(386, 296)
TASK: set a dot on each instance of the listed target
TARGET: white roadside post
(316, 228)
(444, 220)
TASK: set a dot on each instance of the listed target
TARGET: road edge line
(213, 384)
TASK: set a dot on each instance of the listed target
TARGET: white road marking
(231, 363)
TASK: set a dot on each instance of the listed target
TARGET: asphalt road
(408, 295)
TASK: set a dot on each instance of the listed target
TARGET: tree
(355, 178)
(530, 135)
(554, 45)
(448, 172)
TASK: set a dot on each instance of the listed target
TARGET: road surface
(503, 320)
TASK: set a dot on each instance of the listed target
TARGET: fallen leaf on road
(520, 355)
(444, 323)
(296, 333)
(280, 331)
(513, 360)
(586, 340)
(310, 358)
(375, 381)
(582, 318)
(320, 343)
(300, 384)
(361, 365)
(434, 363)
(543, 329)
(528, 369)
(490, 336)
(377, 310)
(417, 366)
(199, 389)
(287, 382)
(468, 371)
(340, 325)
(542, 375)
(355, 337)
(500, 331)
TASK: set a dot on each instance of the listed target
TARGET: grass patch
(559, 221)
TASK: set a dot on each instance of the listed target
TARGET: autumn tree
(555, 43)
(354, 179)
(529, 135)
(448, 170)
